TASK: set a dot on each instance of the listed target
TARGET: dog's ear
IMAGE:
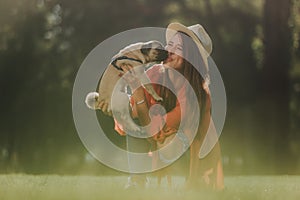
(146, 48)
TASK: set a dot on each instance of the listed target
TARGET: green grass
(20, 186)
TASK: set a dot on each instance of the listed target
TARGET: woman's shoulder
(155, 68)
(155, 72)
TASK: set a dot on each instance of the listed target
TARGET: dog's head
(154, 51)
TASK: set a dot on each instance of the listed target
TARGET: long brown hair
(165, 91)
(193, 69)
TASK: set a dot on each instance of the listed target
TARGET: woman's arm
(159, 126)
(141, 101)
(140, 106)
(159, 132)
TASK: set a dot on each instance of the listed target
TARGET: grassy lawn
(23, 187)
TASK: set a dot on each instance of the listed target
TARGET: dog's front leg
(148, 85)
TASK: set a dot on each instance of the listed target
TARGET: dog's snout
(162, 54)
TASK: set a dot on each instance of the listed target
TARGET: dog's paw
(162, 69)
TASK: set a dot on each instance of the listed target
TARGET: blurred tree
(35, 88)
(295, 76)
(274, 86)
(42, 45)
(43, 42)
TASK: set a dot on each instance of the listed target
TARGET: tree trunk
(275, 96)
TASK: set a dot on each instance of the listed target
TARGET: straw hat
(197, 33)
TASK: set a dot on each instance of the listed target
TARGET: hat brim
(173, 28)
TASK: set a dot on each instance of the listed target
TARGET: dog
(137, 55)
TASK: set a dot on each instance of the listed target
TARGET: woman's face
(175, 53)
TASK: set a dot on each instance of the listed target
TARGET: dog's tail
(91, 100)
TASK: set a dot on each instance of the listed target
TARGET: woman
(188, 49)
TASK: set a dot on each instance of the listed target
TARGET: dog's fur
(152, 51)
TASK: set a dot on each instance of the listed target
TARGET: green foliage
(43, 43)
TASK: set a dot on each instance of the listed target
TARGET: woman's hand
(164, 133)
